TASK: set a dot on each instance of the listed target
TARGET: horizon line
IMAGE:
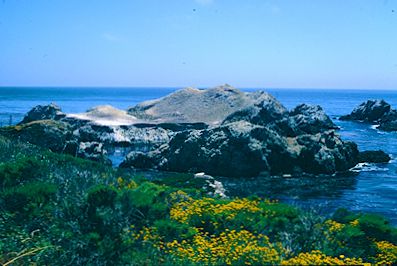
(198, 87)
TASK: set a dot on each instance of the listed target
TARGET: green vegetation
(59, 210)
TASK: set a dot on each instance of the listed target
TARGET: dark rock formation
(264, 137)
(243, 149)
(45, 133)
(369, 111)
(43, 112)
(375, 112)
(310, 119)
(389, 121)
(326, 153)
(373, 157)
(92, 150)
(142, 160)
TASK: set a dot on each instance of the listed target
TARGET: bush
(20, 171)
(101, 196)
(16, 199)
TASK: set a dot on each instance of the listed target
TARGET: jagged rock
(369, 111)
(388, 125)
(56, 136)
(268, 111)
(43, 112)
(123, 135)
(388, 122)
(326, 153)
(91, 132)
(373, 157)
(49, 134)
(138, 159)
(92, 150)
(241, 149)
(218, 190)
(375, 112)
(303, 119)
(261, 137)
(310, 119)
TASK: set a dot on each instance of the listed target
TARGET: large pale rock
(190, 105)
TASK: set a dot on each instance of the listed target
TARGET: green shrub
(101, 196)
(35, 193)
(172, 230)
(376, 226)
(22, 170)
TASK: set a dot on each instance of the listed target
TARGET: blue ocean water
(373, 189)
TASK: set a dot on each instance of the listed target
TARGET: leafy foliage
(59, 210)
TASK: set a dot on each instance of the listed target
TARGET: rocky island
(220, 131)
(376, 112)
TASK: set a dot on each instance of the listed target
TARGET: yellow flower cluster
(317, 258)
(334, 226)
(354, 223)
(388, 253)
(230, 247)
(121, 183)
(178, 196)
(182, 211)
(147, 234)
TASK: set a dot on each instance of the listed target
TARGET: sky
(345, 44)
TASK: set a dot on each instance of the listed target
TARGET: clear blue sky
(246, 43)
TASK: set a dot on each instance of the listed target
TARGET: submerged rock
(373, 157)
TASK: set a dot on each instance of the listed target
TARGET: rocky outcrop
(43, 112)
(49, 134)
(373, 157)
(310, 119)
(241, 149)
(369, 111)
(93, 151)
(190, 105)
(376, 112)
(264, 137)
(219, 131)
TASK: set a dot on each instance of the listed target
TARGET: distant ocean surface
(373, 189)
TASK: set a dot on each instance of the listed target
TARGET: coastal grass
(56, 209)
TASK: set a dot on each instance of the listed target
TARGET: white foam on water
(368, 167)
(375, 127)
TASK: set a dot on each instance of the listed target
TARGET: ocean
(372, 189)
